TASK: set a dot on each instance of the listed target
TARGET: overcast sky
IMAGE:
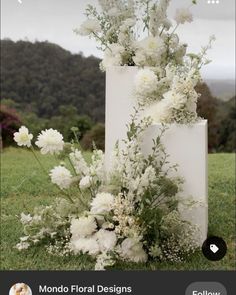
(54, 20)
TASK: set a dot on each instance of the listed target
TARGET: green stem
(37, 159)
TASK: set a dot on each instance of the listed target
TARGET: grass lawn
(24, 186)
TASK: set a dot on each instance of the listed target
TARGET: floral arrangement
(139, 33)
(130, 213)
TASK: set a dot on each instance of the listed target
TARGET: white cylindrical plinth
(186, 145)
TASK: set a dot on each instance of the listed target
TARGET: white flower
(106, 239)
(149, 51)
(112, 56)
(61, 177)
(152, 45)
(177, 99)
(145, 81)
(23, 138)
(160, 112)
(22, 246)
(25, 218)
(50, 141)
(85, 245)
(132, 249)
(88, 27)
(102, 203)
(83, 227)
(183, 15)
(103, 260)
(85, 182)
(79, 163)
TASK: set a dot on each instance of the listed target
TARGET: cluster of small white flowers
(103, 260)
(50, 141)
(61, 177)
(80, 165)
(24, 244)
(179, 103)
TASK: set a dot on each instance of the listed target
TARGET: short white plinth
(186, 145)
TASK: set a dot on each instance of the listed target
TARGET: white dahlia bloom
(161, 111)
(132, 249)
(106, 239)
(23, 137)
(61, 177)
(85, 182)
(50, 141)
(183, 15)
(178, 99)
(152, 45)
(85, 245)
(102, 203)
(145, 82)
(83, 227)
(88, 27)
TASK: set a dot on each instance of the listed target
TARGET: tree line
(43, 85)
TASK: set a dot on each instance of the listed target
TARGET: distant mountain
(222, 89)
(41, 76)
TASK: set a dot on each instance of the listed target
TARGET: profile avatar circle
(20, 289)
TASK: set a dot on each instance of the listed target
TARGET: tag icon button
(214, 248)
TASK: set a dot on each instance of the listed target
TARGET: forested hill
(41, 77)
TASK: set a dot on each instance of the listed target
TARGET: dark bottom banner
(117, 282)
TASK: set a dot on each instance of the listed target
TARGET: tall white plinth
(186, 145)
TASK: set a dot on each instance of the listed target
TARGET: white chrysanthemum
(145, 81)
(83, 227)
(112, 56)
(79, 163)
(22, 137)
(85, 182)
(183, 15)
(50, 141)
(106, 239)
(102, 203)
(177, 99)
(152, 45)
(25, 218)
(88, 27)
(132, 249)
(85, 245)
(61, 177)
(160, 112)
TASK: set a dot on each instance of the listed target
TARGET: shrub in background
(95, 135)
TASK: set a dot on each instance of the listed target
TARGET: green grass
(24, 186)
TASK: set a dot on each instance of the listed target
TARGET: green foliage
(10, 123)
(40, 77)
(221, 118)
(68, 117)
